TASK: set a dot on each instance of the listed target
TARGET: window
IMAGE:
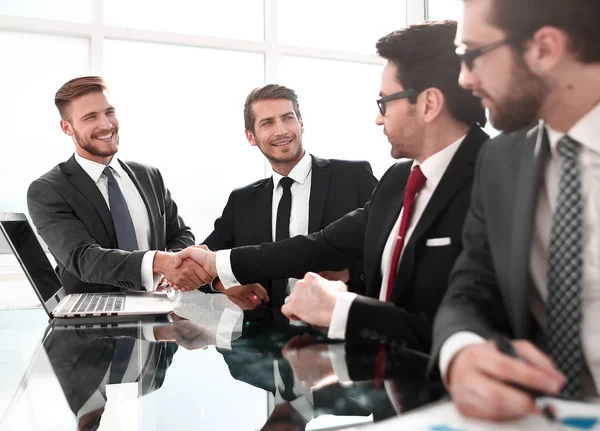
(30, 131)
(339, 24)
(443, 9)
(179, 75)
(186, 118)
(236, 19)
(337, 101)
(59, 10)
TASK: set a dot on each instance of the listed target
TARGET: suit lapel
(140, 179)
(82, 182)
(458, 172)
(533, 157)
(321, 171)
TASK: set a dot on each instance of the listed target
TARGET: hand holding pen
(488, 384)
(505, 346)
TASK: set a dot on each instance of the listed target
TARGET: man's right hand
(479, 379)
(184, 274)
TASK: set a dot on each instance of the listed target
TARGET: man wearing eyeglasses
(409, 233)
(530, 269)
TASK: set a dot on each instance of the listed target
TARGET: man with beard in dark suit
(530, 266)
(409, 234)
(106, 221)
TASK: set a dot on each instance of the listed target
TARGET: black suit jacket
(423, 271)
(489, 286)
(73, 219)
(337, 188)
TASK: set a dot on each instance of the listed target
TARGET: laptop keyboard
(99, 303)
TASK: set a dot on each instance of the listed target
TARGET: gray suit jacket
(490, 282)
(73, 219)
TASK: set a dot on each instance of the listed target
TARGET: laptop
(22, 241)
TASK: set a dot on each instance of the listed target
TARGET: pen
(504, 345)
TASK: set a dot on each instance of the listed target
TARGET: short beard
(286, 158)
(88, 146)
(521, 107)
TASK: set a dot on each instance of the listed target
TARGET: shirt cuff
(148, 332)
(150, 280)
(339, 317)
(454, 344)
(337, 353)
(224, 271)
(229, 323)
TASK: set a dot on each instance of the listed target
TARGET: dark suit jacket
(73, 219)
(337, 188)
(423, 271)
(490, 283)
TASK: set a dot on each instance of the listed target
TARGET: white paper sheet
(443, 416)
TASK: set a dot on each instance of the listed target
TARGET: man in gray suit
(107, 222)
(530, 267)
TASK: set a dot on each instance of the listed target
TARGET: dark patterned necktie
(126, 239)
(565, 267)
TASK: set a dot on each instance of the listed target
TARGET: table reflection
(304, 374)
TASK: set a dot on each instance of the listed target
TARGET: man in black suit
(100, 229)
(530, 266)
(426, 117)
(322, 191)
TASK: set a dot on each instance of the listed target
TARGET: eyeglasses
(468, 56)
(401, 95)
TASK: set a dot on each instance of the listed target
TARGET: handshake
(188, 269)
(195, 266)
(312, 301)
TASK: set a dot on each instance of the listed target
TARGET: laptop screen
(31, 256)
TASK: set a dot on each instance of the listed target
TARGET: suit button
(362, 277)
(373, 336)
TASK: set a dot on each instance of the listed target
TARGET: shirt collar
(585, 131)
(299, 173)
(95, 169)
(434, 166)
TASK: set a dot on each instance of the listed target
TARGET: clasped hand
(187, 270)
(196, 266)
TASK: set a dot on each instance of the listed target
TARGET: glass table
(210, 366)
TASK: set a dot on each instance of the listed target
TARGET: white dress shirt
(135, 369)
(301, 174)
(137, 209)
(433, 168)
(587, 132)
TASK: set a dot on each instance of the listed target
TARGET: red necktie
(416, 180)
